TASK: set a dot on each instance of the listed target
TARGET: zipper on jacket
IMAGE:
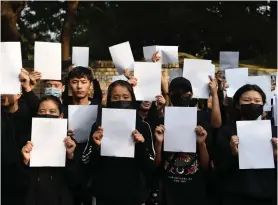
(151, 136)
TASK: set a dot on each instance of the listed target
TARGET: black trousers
(245, 200)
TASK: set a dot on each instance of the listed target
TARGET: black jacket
(15, 132)
(118, 178)
(49, 185)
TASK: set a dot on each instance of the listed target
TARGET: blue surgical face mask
(53, 91)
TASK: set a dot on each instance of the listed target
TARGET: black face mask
(47, 116)
(121, 104)
(183, 101)
(251, 111)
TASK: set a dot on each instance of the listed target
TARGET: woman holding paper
(241, 181)
(48, 185)
(120, 180)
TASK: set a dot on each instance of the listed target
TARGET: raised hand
(234, 144)
(159, 133)
(97, 136)
(70, 147)
(25, 151)
(201, 134)
(138, 138)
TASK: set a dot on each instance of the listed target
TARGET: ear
(63, 88)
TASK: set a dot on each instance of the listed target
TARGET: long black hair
(248, 87)
(53, 99)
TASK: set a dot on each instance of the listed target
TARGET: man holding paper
(117, 150)
(245, 154)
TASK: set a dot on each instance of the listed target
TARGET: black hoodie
(121, 178)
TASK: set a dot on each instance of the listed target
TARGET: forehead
(53, 82)
(82, 78)
(251, 94)
(118, 89)
(48, 104)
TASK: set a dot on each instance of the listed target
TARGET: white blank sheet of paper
(122, 57)
(198, 72)
(236, 78)
(81, 119)
(167, 54)
(80, 56)
(11, 64)
(48, 136)
(228, 60)
(180, 124)
(118, 125)
(48, 60)
(148, 80)
(255, 148)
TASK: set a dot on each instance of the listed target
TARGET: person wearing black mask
(183, 180)
(119, 181)
(242, 187)
(48, 185)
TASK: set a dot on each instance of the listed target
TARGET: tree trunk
(10, 14)
(67, 29)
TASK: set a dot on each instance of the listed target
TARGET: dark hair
(123, 84)
(53, 99)
(80, 72)
(247, 88)
(97, 91)
(235, 112)
(61, 81)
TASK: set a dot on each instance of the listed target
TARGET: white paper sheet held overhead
(81, 120)
(255, 149)
(118, 77)
(48, 60)
(118, 125)
(122, 57)
(11, 64)
(148, 80)
(168, 54)
(198, 72)
(180, 133)
(228, 60)
(80, 56)
(48, 136)
(236, 78)
(175, 73)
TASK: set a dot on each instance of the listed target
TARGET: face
(55, 84)
(251, 97)
(9, 100)
(120, 93)
(146, 105)
(48, 107)
(80, 87)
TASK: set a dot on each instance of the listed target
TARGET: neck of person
(80, 101)
(143, 113)
(11, 109)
